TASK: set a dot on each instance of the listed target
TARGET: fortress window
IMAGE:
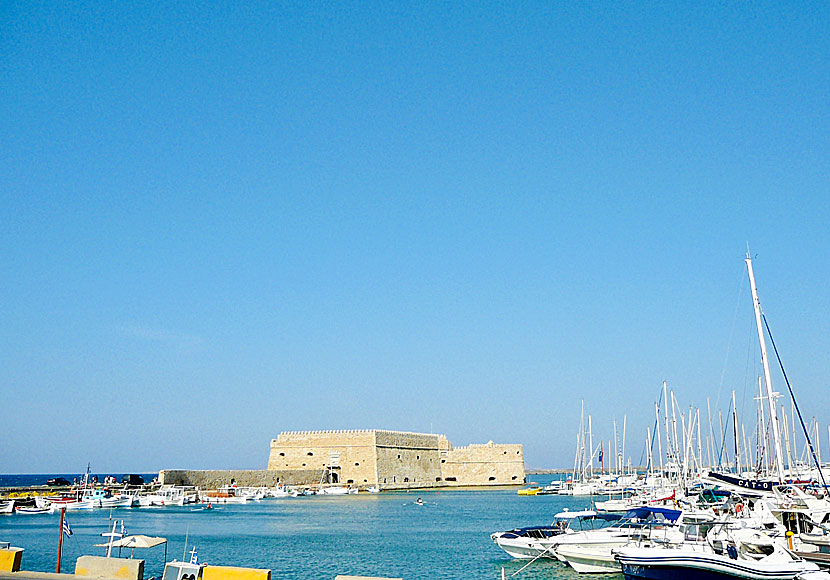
(417, 457)
(399, 455)
(505, 452)
(450, 479)
(350, 481)
(443, 461)
(491, 479)
(365, 481)
(310, 454)
(356, 463)
(513, 478)
(405, 479)
(437, 479)
(282, 454)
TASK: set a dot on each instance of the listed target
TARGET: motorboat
(7, 507)
(592, 551)
(278, 491)
(727, 554)
(536, 541)
(226, 495)
(529, 491)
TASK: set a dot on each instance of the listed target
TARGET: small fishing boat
(7, 507)
(529, 491)
(70, 503)
(25, 509)
(333, 490)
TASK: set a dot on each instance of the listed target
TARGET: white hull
(698, 562)
(225, 500)
(73, 505)
(524, 548)
(589, 560)
(333, 491)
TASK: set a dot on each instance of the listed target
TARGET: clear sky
(223, 221)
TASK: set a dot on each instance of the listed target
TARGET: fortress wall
(347, 456)
(404, 440)
(402, 467)
(488, 464)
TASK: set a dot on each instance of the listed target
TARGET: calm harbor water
(317, 537)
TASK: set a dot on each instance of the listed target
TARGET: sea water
(316, 537)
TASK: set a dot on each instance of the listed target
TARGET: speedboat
(726, 554)
(593, 551)
(537, 541)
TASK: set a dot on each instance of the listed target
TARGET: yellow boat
(529, 491)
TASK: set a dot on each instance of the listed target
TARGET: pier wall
(216, 478)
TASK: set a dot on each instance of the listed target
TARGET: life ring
(739, 508)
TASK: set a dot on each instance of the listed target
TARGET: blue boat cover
(652, 513)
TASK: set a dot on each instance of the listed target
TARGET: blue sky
(221, 222)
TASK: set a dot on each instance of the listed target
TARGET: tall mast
(735, 434)
(625, 417)
(660, 444)
(591, 446)
(773, 416)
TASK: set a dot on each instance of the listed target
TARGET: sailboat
(761, 486)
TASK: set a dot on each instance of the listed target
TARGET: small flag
(123, 529)
(194, 559)
(66, 529)
(600, 454)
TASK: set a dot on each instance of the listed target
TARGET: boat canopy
(568, 515)
(652, 514)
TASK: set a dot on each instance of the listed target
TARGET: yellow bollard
(790, 539)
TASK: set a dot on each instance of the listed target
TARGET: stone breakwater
(216, 478)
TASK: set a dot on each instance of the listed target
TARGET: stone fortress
(371, 457)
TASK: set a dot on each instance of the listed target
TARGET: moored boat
(738, 554)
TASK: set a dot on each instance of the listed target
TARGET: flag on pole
(66, 529)
(123, 529)
(194, 559)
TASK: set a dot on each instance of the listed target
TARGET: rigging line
(723, 434)
(656, 425)
(795, 404)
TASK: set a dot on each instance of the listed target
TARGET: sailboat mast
(735, 435)
(776, 435)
